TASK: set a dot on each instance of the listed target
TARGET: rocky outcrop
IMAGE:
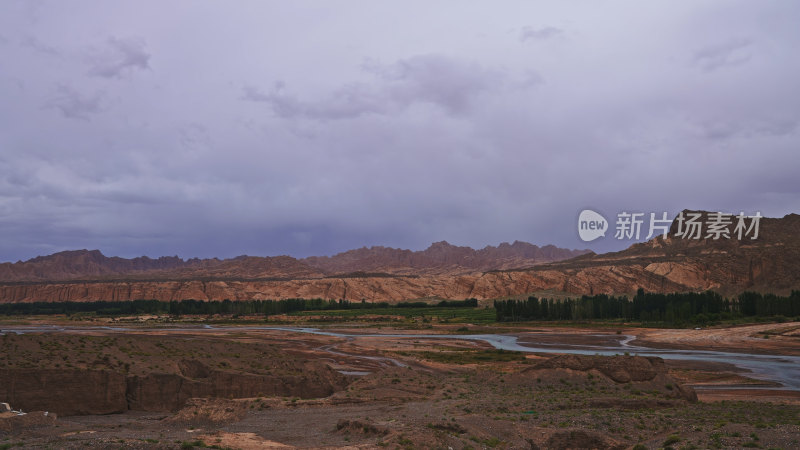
(671, 264)
(66, 392)
(728, 265)
(371, 288)
(78, 392)
(643, 371)
(170, 392)
(91, 264)
(441, 258)
(620, 279)
(13, 423)
(621, 369)
(88, 264)
(208, 412)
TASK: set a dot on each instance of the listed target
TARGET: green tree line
(691, 307)
(197, 307)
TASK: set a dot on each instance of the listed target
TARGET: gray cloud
(449, 83)
(731, 53)
(382, 135)
(531, 78)
(194, 135)
(445, 82)
(344, 103)
(38, 46)
(119, 57)
(75, 105)
(721, 130)
(539, 34)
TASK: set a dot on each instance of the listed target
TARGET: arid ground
(241, 387)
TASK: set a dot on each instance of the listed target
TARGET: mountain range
(439, 258)
(671, 263)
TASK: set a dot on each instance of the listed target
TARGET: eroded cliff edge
(664, 264)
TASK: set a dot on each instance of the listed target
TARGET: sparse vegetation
(466, 356)
(449, 393)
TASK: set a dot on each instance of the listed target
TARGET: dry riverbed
(373, 392)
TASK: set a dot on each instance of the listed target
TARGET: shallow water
(770, 368)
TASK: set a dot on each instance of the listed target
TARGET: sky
(211, 128)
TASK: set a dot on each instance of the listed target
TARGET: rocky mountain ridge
(770, 264)
(439, 258)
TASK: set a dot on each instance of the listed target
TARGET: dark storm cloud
(119, 57)
(538, 34)
(265, 127)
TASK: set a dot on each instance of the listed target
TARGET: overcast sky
(203, 128)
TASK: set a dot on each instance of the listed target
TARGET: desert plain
(141, 383)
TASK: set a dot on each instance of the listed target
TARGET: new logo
(591, 225)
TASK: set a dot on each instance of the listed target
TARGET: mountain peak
(441, 244)
(439, 258)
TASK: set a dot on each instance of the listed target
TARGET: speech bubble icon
(591, 225)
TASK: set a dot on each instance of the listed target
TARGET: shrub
(672, 439)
